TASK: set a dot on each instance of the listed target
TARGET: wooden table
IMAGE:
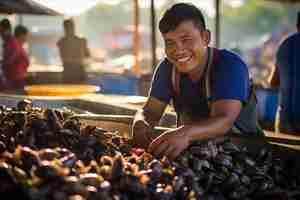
(284, 136)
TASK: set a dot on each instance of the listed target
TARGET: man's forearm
(275, 79)
(146, 116)
(208, 129)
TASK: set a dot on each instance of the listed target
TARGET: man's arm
(275, 79)
(145, 119)
(59, 46)
(229, 90)
(86, 48)
(152, 111)
(173, 142)
(222, 117)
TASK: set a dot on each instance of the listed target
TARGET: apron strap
(212, 60)
(176, 81)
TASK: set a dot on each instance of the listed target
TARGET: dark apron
(246, 123)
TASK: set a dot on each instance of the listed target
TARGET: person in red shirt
(18, 72)
(15, 60)
(5, 33)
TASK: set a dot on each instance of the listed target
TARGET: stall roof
(25, 7)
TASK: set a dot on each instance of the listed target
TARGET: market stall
(79, 146)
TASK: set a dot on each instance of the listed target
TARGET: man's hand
(170, 144)
(142, 134)
(144, 121)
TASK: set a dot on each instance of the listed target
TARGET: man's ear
(206, 36)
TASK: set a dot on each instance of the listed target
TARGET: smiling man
(210, 88)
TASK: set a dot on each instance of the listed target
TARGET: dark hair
(68, 23)
(5, 23)
(20, 30)
(181, 12)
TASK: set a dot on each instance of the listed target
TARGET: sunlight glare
(74, 8)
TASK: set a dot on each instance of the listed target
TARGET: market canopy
(25, 7)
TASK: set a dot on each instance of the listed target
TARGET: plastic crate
(267, 102)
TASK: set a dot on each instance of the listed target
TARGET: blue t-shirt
(288, 63)
(229, 80)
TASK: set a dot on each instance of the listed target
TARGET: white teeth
(183, 59)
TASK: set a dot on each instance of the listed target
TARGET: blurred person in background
(73, 53)
(22, 62)
(6, 35)
(15, 59)
(286, 77)
(210, 88)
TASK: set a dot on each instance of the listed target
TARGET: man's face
(23, 38)
(186, 46)
(4, 32)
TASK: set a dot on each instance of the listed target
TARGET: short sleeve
(161, 85)
(230, 78)
(282, 57)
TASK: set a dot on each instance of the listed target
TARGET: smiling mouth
(183, 60)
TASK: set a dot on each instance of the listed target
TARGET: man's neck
(197, 73)
(70, 35)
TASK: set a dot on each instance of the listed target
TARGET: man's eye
(186, 40)
(169, 44)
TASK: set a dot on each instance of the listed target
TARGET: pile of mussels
(46, 154)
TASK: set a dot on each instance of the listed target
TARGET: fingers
(168, 144)
(165, 149)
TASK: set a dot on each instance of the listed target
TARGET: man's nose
(179, 47)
